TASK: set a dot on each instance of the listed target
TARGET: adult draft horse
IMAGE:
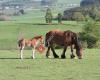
(33, 43)
(64, 39)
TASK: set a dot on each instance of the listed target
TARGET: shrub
(48, 16)
(4, 18)
(22, 11)
(91, 41)
(89, 34)
(78, 16)
(17, 14)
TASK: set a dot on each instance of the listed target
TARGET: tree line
(81, 13)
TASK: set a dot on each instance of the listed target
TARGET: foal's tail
(20, 42)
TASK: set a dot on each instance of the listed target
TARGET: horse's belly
(59, 43)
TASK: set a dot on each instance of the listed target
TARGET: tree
(78, 16)
(89, 2)
(48, 2)
(59, 18)
(90, 33)
(48, 16)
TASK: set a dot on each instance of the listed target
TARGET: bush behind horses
(90, 34)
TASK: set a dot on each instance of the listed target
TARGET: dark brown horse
(64, 39)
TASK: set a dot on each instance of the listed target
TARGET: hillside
(42, 2)
(89, 2)
(69, 1)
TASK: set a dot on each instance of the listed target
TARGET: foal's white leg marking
(33, 52)
(33, 49)
(21, 53)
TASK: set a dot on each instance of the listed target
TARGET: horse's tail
(46, 40)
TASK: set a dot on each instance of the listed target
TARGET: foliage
(89, 2)
(48, 16)
(78, 16)
(22, 11)
(92, 11)
(59, 17)
(89, 34)
(4, 18)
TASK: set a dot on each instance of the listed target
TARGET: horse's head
(79, 49)
(79, 53)
(78, 46)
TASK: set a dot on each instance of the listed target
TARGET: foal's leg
(21, 52)
(63, 54)
(72, 54)
(54, 53)
(33, 52)
(48, 52)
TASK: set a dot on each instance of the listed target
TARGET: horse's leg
(63, 54)
(33, 52)
(72, 54)
(48, 52)
(21, 52)
(54, 53)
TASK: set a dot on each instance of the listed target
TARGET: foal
(33, 43)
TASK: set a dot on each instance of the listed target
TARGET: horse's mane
(68, 31)
(56, 31)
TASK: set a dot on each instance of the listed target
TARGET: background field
(29, 25)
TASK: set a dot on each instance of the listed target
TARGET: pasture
(29, 25)
(12, 68)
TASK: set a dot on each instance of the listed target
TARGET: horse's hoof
(63, 57)
(80, 58)
(56, 56)
(21, 58)
(32, 57)
(72, 56)
(48, 56)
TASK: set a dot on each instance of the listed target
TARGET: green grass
(11, 32)
(12, 68)
(28, 26)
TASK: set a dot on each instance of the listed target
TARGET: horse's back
(60, 37)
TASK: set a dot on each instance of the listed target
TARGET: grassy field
(29, 25)
(12, 68)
